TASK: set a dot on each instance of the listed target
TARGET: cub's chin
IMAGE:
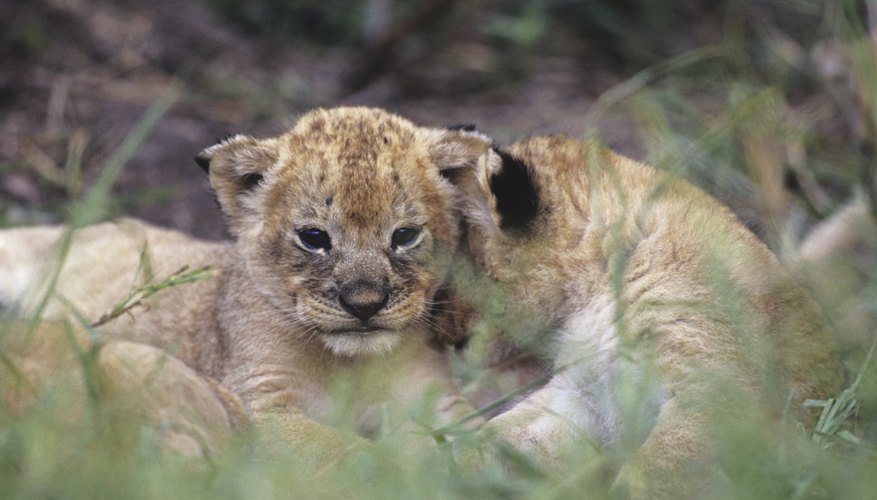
(370, 342)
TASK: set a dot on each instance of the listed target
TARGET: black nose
(363, 303)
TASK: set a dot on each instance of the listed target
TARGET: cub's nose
(363, 302)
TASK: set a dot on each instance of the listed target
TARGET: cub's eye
(405, 236)
(315, 239)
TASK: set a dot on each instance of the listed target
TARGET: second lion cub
(656, 304)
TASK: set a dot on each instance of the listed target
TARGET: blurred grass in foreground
(735, 125)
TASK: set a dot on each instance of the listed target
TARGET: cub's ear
(203, 158)
(514, 191)
(237, 166)
(456, 151)
(203, 162)
(497, 189)
(467, 160)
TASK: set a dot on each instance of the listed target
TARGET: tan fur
(643, 282)
(138, 385)
(269, 324)
(835, 260)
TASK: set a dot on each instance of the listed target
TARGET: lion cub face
(345, 222)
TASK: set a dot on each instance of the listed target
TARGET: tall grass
(709, 115)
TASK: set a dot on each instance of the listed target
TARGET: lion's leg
(674, 461)
(276, 396)
(317, 442)
(549, 422)
(191, 414)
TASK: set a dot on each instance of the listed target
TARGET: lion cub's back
(678, 241)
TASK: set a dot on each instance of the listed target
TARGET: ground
(768, 105)
(81, 73)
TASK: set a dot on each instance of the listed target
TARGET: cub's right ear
(203, 162)
(237, 166)
(203, 158)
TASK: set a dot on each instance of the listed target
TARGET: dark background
(759, 102)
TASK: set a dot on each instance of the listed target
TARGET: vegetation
(769, 105)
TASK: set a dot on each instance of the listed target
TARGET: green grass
(735, 124)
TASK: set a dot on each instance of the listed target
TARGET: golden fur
(283, 320)
(139, 386)
(642, 283)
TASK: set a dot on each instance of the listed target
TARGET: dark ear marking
(249, 181)
(517, 199)
(465, 127)
(451, 174)
(203, 162)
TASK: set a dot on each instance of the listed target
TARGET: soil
(78, 75)
(84, 72)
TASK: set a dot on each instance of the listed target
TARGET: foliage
(135, 297)
(332, 22)
(768, 114)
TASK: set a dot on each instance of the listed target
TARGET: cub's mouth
(359, 330)
(361, 341)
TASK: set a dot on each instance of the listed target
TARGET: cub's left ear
(236, 167)
(467, 160)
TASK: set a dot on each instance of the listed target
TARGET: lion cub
(344, 228)
(656, 305)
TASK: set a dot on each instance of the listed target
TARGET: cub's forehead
(363, 123)
(359, 162)
(351, 142)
